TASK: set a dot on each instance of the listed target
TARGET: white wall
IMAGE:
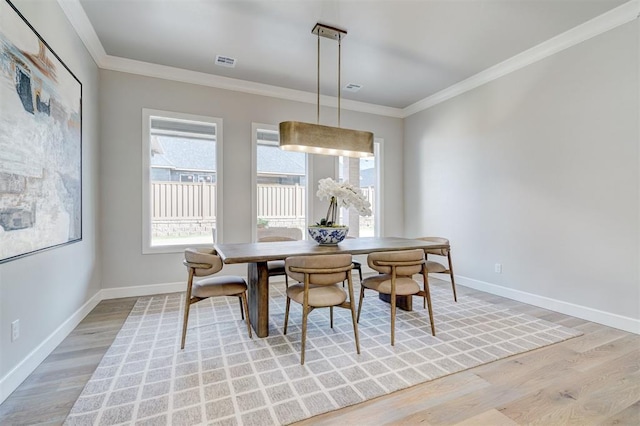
(122, 98)
(44, 290)
(539, 171)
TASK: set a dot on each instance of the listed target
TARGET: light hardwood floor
(47, 395)
(589, 380)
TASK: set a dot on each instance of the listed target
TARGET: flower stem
(326, 218)
(334, 213)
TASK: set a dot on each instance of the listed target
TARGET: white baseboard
(609, 319)
(142, 290)
(20, 372)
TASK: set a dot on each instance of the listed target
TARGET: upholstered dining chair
(437, 267)
(318, 278)
(356, 265)
(278, 233)
(396, 269)
(276, 267)
(204, 263)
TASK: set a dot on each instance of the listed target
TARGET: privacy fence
(189, 208)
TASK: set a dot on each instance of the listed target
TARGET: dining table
(256, 256)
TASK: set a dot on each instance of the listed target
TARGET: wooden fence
(184, 200)
(281, 201)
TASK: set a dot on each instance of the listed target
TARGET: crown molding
(598, 25)
(622, 14)
(80, 22)
(131, 66)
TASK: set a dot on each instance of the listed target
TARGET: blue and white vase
(328, 235)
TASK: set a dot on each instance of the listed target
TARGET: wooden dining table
(256, 255)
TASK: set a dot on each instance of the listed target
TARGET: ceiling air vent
(352, 87)
(225, 61)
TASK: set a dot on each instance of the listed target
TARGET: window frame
(254, 178)
(378, 148)
(147, 113)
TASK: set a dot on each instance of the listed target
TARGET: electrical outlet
(15, 330)
(498, 268)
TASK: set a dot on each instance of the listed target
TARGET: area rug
(223, 377)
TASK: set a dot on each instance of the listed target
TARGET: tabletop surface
(262, 252)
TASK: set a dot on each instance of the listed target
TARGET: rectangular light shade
(326, 140)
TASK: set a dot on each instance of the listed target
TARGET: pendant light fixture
(327, 140)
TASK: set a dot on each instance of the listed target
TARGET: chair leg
(360, 303)
(393, 305)
(187, 304)
(353, 315)
(453, 282)
(286, 280)
(241, 309)
(331, 315)
(424, 302)
(425, 272)
(393, 317)
(243, 299)
(185, 320)
(286, 315)
(305, 312)
(427, 296)
(359, 274)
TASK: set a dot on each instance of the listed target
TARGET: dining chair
(278, 233)
(437, 267)
(396, 270)
(276, 267)
(356, 265)
(204, 263)
(318, 278)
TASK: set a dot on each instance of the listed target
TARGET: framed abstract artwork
(40, 142)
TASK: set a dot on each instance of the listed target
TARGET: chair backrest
(408, 262)
(271, 238)
(439, 251)
(279, 231)
(203, 261)
(324, 269)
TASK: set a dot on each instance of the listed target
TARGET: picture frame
(40, 142)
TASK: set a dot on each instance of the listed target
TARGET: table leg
(403, 302)
(258, 277)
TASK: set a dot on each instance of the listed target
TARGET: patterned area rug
(224, 378)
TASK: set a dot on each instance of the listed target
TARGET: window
(279, 184)
(181, 180)
(364, 173)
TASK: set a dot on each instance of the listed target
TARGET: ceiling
(399, 51)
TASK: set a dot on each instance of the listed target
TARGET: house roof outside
(273, 160)
(197, 155)
(367, 178)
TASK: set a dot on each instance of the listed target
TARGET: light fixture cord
(318, 80)
(339, 68)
